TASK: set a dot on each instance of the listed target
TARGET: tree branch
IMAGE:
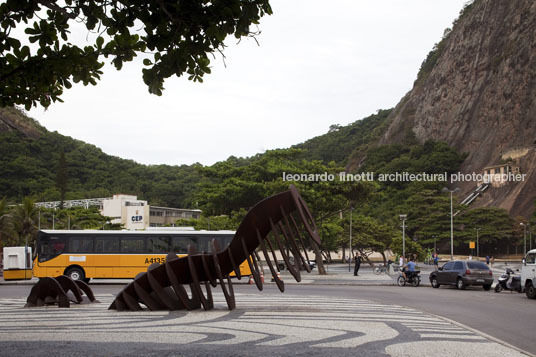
(165, 10)
(50, 4)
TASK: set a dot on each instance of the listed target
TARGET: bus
(93, 254)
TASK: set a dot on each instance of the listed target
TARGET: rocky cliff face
(12, 119)
(480, 96)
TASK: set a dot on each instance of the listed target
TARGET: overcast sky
(318, 63)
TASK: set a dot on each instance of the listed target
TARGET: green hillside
(342, 141)
(32, 167)
(30, 157)
(40, 164)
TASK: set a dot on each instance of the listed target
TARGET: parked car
(462, 273)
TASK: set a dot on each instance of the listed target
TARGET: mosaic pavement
(261, 325)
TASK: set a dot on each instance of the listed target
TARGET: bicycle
(382, 268)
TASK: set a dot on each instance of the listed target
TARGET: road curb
(18, 283)
(29, 283)
(345, 284)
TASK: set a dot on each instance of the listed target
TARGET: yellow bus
(93, 254)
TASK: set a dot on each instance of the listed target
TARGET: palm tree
(24, 218)
(5, 222)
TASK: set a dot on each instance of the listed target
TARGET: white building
(127, 210)
(132, 213)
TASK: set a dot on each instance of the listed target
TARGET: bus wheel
(76, 273)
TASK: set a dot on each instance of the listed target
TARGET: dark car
(462, 273)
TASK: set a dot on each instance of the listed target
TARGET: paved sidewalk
(337, 274)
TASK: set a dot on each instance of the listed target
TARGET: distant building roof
(498, 166)
(176, 209)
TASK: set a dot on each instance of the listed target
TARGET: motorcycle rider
(410, 268)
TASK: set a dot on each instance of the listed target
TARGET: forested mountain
(343, 142)
(44, 164)
(31, 166)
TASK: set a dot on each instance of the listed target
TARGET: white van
(528, 274)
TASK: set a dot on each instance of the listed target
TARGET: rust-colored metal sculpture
(281, 219)
(60, 290)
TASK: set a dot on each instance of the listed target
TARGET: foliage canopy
(180, 36)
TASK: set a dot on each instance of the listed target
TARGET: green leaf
(99, 42)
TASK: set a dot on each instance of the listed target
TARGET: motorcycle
(508, 281)
(412, 277)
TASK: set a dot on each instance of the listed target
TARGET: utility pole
(477, 229)
(350, 247)
(524, 238)
(451, 222)
(403, 218)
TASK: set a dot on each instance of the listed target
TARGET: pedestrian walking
(436, 261)
(492, 260)
(357, 264)
(487, 259)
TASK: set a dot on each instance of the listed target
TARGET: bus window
(132, 245)
(80, 245)
(204, 244)
(157, 244)
(107, 245)
(180, 244)
(58, 248)
(225, 241)
(50, 247)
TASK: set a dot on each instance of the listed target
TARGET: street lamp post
(524, 238)
(477, 229)
(451, 222)
(530, 239)
(528, 224)
(403, 218)
(350, 247)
